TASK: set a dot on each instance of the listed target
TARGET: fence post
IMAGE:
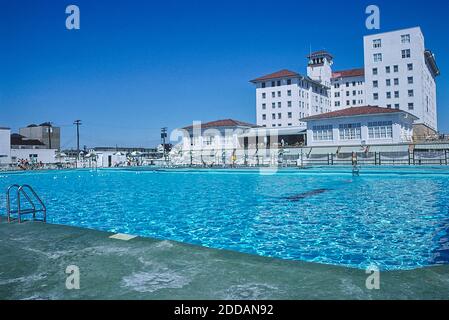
(445, 156)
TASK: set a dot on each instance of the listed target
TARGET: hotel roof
(320, 53)
(356, 111)
(348, 73)
(277, 75)
(287, 74)
(223, 123)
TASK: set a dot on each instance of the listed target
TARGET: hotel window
(377, 57)
(279, 83)
(264, 106)
(353, 83)
(410, 80)
(289, 124)
(337, 86)
(273, 105)
(273, 125)
(354, 92)
(411, 106)
(350, 131)
(388, 82)
(396, 68)
(263, 85)
(289, 104)
(289, 115)
(279, 94)
(348, 93)
(348, 103)
(388, 95)
(354, 102)
(279, 104)
(337, 103)
(396, 94)
(264, 117)
(279, 116)
(405, 38)
(273, 116)
(289, 82)
(406, 53)
(273, 84)
(289, 93)
(273, 94)
(380, 130)
(377, 43)
(396, 81)
(388, 69)
(396, 106)
(347, 84)
(375, 84)
(410, 67)
(389, 106)
(375, 71)
(264, 95)
(411, 93)
(323, 133)
(375, 96)
(337, 94)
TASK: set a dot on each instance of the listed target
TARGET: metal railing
(22, 190)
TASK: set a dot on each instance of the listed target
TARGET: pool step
(29, 193)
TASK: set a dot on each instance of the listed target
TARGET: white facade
(287, 97)
(5, 146)
(400, 74)
(348, 89)
(34, 155)
(363, 130)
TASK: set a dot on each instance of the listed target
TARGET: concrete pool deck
(34, 257)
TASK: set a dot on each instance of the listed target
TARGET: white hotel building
(399, 73)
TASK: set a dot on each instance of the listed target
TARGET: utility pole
(163, 137)
(77, 123)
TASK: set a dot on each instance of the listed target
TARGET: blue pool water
(394, 218)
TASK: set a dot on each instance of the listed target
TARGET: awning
(324, 150)
(434, 146)
(392, 148)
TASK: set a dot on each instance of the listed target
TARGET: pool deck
(34, 257)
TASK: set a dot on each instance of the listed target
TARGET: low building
(31, 150)
(360, 126)
(5, 146)
(213, 143)
(120, 156)
(46, 133)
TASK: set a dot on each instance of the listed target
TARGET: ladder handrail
(8, 200)
(23, 190)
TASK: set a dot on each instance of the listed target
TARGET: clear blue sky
(136, 66)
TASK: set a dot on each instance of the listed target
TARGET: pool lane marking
(122, 236)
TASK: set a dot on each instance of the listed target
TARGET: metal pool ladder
(25, 190)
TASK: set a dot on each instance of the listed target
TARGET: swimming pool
(393, 218)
